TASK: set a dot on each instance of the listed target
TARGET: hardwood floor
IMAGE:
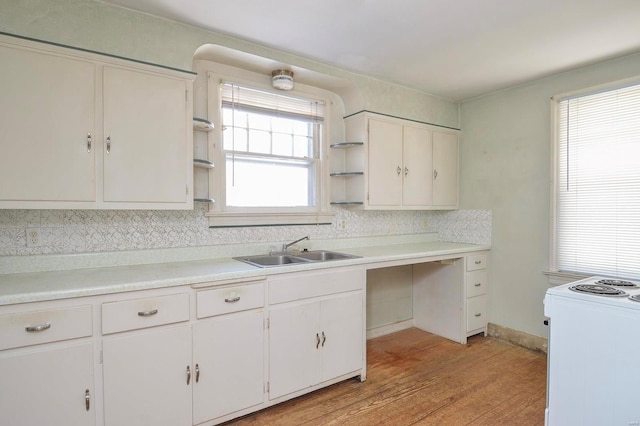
(416, 378)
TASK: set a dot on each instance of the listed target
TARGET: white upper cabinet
(145, 131)
(47, 116)
(83, 130)
(385, 163)
(402, 165)
(445, 170)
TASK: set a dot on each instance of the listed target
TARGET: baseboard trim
(388, 329)
(519, 338)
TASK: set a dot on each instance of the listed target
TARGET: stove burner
(617, 283)
(635, 297)
(598, 290)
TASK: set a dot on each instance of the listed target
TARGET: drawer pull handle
(197, 373)
(87, 400)
(147, 313)
(232, 299)
(478, 314)
(477, 284)
(478, 262)
(188, 375)
(37, 328)
(324, 339)
(317, 340)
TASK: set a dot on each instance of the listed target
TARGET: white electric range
(594, 353)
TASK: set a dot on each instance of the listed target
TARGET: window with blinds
(271, 144)
(598, 184)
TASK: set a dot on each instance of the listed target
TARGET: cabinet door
(145, 122)
(342, 335)
(47, 111)
(445, 169)
(385, 163)
(145, 378)
(294, 340)
(417, 187)
(228, 353)
(48, 387)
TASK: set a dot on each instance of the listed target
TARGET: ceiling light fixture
(282, 79)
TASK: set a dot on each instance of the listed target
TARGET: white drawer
(229, 299)
(477, 282)
(303, 285)
(35, 327)
(145, 312)
(476, 313)
(477, 261)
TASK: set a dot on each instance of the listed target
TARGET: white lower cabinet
(229, 360)
(147, 377)
(189, 373)
(314, 341)
(46, 365)
(476, 289)
(316, 329)
(48, 386)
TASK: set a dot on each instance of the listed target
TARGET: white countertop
(51, 285)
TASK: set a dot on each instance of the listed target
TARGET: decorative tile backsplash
(86, 231)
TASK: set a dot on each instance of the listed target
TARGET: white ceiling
(456, 49)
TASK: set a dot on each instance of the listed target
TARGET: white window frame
(219, 214)
(557, 277)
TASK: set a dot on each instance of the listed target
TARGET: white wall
(109, 29)
(505, 163)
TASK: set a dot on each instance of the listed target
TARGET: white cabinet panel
(417, 189)
(293, 353)
(145, 122)
(46, 114)
(445, 169)
(385, 163)
(48, 387)
(147, 377)
(341, 335)
(44, 326)
(476, 313)
(229, 362)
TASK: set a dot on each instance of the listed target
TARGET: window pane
(302, 146)
(282, 144)
(260, 121)
(283, 125)
(260, 183)
(235, 139)
(302, 128)
(259, 142)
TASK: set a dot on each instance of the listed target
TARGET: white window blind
(250, 99)
(598, 193)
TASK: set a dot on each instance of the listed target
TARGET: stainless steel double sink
(293, 258)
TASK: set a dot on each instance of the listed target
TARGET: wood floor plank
(417, 378)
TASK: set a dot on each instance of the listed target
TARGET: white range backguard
(594, 358)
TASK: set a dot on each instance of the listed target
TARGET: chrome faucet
(286, 246)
